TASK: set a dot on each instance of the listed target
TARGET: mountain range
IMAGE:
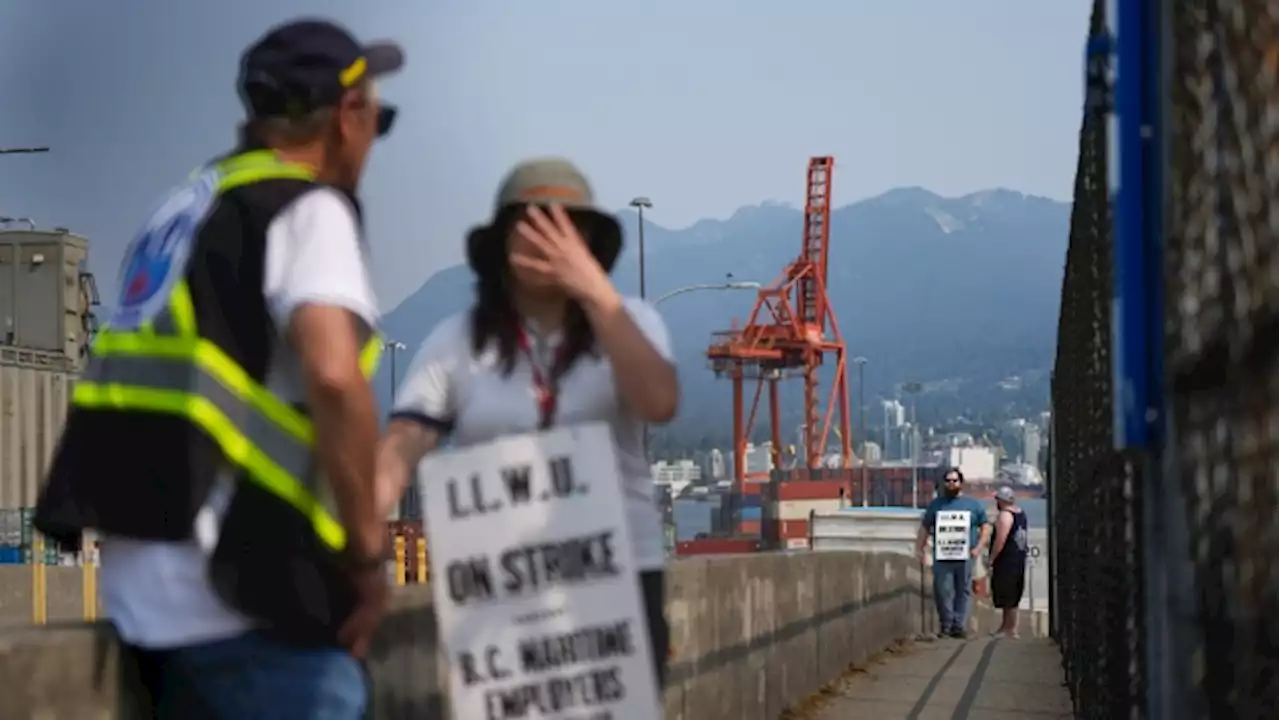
(960, 294)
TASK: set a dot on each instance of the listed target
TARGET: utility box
(46, 294)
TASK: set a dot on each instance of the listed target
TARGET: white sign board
(1033, 556)
(537, 592)
(951, 534)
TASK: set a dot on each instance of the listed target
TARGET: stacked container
(409, 531)
(11, 536)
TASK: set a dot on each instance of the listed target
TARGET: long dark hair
(493, 316)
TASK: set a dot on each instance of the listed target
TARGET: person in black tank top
(1008, 560)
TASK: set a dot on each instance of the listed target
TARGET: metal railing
(1082, 415)
(1165, 552)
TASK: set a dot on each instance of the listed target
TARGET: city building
(677, 475)
(895, 414)
(978, 463)
(759, 457)
(716, 465)
(1031, 442)
(870, 453)
(1027, 439)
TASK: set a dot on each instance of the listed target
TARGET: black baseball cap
(305, 65)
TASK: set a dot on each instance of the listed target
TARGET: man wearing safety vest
(221, 440)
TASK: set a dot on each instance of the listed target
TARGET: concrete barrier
(64, 594)
(751, 635)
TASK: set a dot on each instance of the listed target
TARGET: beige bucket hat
(543, 181)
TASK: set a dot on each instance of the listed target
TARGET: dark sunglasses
(953, 480)
(386, 118)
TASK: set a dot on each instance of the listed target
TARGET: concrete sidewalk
(980, 679)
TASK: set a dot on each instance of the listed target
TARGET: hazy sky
(702, 105)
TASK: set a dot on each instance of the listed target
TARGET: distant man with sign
(959, 527)
(1009, 560)
(546, 544)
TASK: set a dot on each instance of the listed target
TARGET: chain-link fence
(1219, 463)
(1220, 340)
(1095, 507)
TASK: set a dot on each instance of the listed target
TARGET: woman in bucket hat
(546, 316)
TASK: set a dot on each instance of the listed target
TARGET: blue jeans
(953, 592)
(253, 676)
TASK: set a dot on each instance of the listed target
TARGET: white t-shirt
(449, 388)
(158, 593)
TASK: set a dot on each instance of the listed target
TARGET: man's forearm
(346, 441)
(393, 477)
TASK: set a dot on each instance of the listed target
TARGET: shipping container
(785, 529)
(751, 513)
(749, 527)
(410, 531)
(35, 387)
(12, 532)
(11, 555)
(717, 546)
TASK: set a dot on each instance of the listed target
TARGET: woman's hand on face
(566, 260)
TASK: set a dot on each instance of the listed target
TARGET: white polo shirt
(448, 388)
(158, 593)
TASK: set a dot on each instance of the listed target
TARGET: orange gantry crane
(792, 327)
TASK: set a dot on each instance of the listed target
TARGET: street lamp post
(393, 348)
(861, 362)
(640, 203)
(912, 389)
(711, 286)
(748, 285)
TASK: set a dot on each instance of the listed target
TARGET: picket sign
(951, 530)
(536, 587)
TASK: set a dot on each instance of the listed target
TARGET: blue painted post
(1137, 204)
(1139, 180)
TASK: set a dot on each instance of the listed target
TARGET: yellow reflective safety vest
(174, 402)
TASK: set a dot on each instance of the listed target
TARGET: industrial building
(47, 301)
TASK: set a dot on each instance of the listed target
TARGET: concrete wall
(64, 591)
(751, 634)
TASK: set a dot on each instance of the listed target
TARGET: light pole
(392, 348)
(712, 286)
(681, 291)
(640, 203)
(861, 362)
(912, 389)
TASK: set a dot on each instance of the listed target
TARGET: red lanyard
(545, 388)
